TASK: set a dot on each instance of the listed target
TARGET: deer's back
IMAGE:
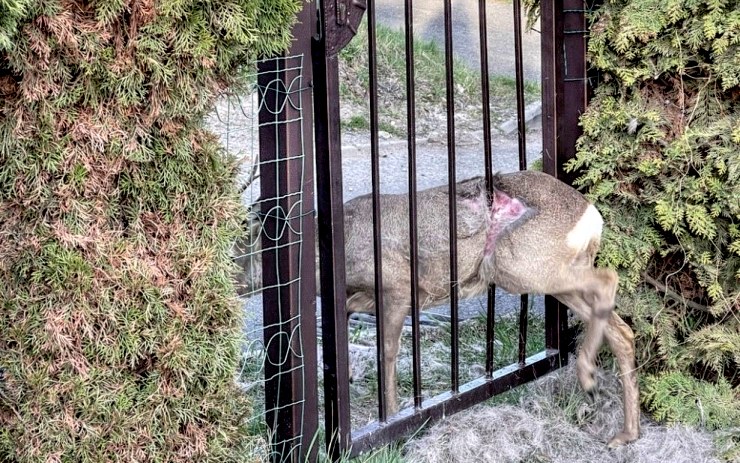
(433, 243)
(563, 230)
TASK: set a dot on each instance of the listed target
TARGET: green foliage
(388, 454)
(728, 444)
(10, 12)
(660, 155)
(666, 187)
(678, 398)
(119, 329)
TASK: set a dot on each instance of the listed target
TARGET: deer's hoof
(586, 376)
(622, 438)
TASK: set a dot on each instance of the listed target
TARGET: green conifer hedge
(119, 329)
(660, 155)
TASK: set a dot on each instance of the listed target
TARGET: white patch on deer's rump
(587, 229)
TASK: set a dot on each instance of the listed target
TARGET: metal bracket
(341, 20)
(341, 12)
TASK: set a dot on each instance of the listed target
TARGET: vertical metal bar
(575, 82)
(552, 77)
(331, 244)
(288, 272)
(519, 72)
(452, 179)
(488, 169)
(309, 450)
(485, 94)
(377, 244)
(413, 236)
(522, 138)
(523, 318)
(551, 26)
(490, 330)
(563, 79)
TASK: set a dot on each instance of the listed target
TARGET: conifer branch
(674, 295)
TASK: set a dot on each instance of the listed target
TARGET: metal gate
(564, 96)
(328, 26)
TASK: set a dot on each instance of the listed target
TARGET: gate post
(565, 92)
(338, 22)
(288, 256)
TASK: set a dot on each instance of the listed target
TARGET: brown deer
(534, 235)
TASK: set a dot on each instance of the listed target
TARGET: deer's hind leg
(395, 310)
(592, 300)
(621, 341)
(595, 308)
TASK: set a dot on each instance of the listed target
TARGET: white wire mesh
(238, 123)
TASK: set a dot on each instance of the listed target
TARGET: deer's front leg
(393, 318)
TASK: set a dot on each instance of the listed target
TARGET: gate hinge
(341, 18)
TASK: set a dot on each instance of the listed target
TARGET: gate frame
(332, 24)
(567, 84)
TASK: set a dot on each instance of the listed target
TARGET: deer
(532, 235)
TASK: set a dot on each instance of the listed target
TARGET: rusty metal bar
(488, 169)
(413, 235)
(452, 178)
(472, 393)
(377, 244)
(331, 238)
(291, 408)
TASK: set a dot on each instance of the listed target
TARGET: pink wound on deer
(505, 210)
